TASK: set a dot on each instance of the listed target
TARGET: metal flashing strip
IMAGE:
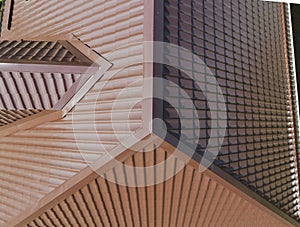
(76, 52)
(87, 80)
(293, 72)
(43, 68)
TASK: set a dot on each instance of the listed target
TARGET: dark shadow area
(295, 10)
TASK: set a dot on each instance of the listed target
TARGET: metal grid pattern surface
(243, 44)
(291, 40)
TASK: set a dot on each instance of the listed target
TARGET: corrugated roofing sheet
(36, 74)
(49, 155)
(9, 116)
(42, 158)
(33, 90)
(189, 198)
(103, 25)
(41, 51)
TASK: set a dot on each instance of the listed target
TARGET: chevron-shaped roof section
(189, 197)
(25, 93)
(40, 74)
(49, 154)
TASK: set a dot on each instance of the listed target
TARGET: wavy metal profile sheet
(45, 51)
(189, 198)
(33, 90)
(40, 159)
(9, 116)
(30, 88)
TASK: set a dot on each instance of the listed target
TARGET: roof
(9, 116)
(37, 74)
(36, 51)
(177, 201)
(46, 154)
(50, 166)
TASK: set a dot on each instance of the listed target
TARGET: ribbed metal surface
(10, 116)
(36, 51)
(187, 199)
(33, 90)
(36, 74)
(243, 44)
(112, 25)
(91, 21)
(48, 153)
(46, 156)
(1, 14)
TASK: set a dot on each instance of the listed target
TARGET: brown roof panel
(33, 90)
(37, 74)
(189, 198)
(41, 52)
(10, 116)
(47, 153)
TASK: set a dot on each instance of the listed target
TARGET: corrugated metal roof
(190, 198)
(41, 51)
(37, 74)
(41, 159)
(52, 155)
(33, 90)
(61, 18)
(9, 116)
(47, 155)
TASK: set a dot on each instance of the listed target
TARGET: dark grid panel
(10, 116)
(36, 51)
(242, 43)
